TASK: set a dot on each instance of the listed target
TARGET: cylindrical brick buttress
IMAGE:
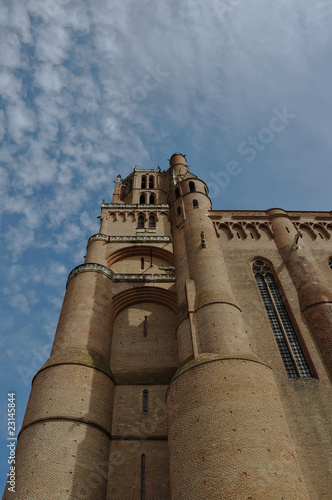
(228, 435)
(315, 297)
(63, 447)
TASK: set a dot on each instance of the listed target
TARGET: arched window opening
(195, 204)
(192, 187)
(179, 210)
(152, 199)
(284, 333)
(177, 193)
(145, 326)
(143, 477)
(142, 199)
(151, 182)
(140, 224)
(145, 401)
(143, 182)
(142, 263)
(152, 221)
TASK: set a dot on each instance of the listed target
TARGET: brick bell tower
(152, 390)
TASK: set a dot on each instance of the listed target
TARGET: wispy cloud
(88, 90)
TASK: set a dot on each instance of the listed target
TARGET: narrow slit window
(238, 236)
(283, 330)
(145, 326)
(143, 182)
(143, 477)
(330, 262)
(151, 182)
(145, 401)
(287, 229)
(142, 263)
(195, 204)
(192, 187)
(179, 211)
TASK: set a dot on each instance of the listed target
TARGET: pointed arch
(225, 228)
(253, 231)
(152, 199)
(139, 250)
(142, 199)
(140, 221)
(144, 294)
(306, 228)
(152, 221)
(281, 323)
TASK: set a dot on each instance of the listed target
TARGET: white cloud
(20, 302)
(10, 87)
(50, 78)
(20, 120)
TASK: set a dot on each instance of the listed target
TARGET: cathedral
(192, 358)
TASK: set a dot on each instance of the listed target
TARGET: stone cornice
(129, 239)
(135, 206)
(121, 277)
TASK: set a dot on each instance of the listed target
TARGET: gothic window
(143, 182)
(140, 222)
(179, 210)
(142, 263)
(145, 326)
(143, 477)
(177, 193)
(145, 401)
(142, 199)
(192, 187)
(152, 199)
(195, 204)
(152, 221)
(330, 262)
(285, 335)
(151, 182)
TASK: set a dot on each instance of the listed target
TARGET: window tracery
(283, 330)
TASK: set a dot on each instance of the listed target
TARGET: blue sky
(91, 89)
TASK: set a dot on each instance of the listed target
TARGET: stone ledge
(78, 356)
(68, 419)
(209, 358)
